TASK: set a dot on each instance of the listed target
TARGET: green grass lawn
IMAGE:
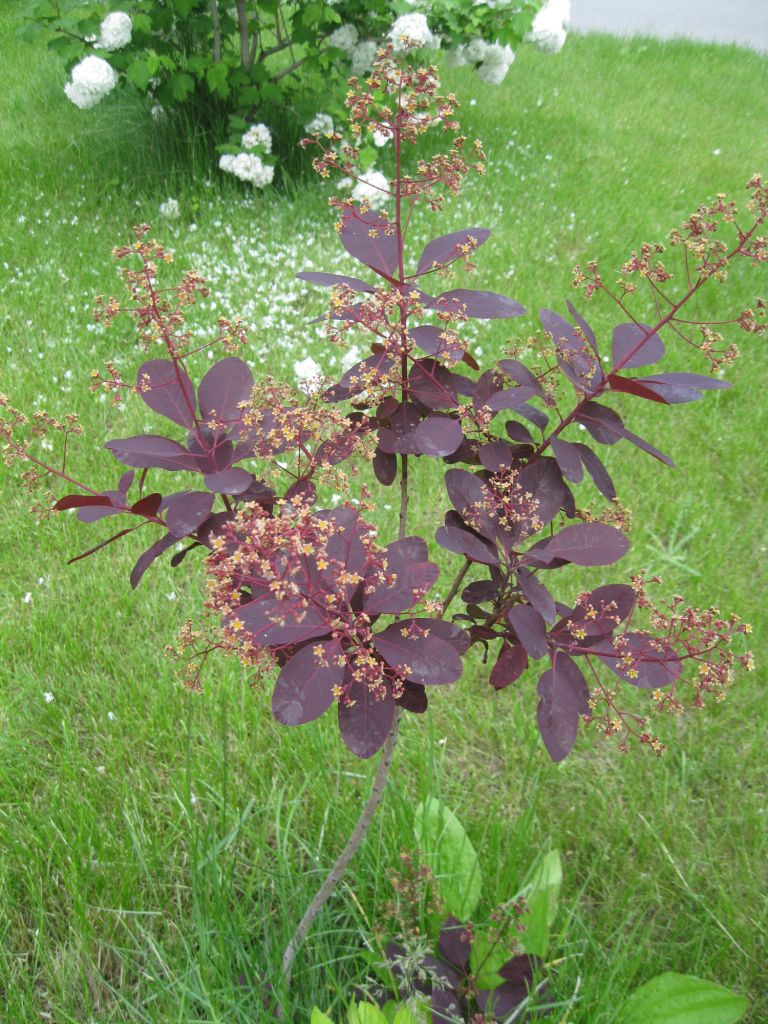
(158, 847)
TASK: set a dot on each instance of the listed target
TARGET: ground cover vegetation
(143, 898)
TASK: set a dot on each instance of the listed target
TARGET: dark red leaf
(147, 558)
(103, 544)
(479, 304)
(564, 697)
(81, 500)
(147, 506)
(277, 623)
(630, 386)
(430, 660)
(677, 388)
(167, 389)
(635, 345)
(369, 238)
(413, 698)
(438, 436)
(385, 467)
(228, 383)
(444, 250)
(365, 725)
(149, 451)
(510, 665)
(304, 688)
(530, 629)
(329, 280)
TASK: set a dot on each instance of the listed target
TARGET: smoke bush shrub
(343, 612)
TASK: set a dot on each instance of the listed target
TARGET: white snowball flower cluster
(363, 56)
(320, 123)
(372, 188)
(248, 167)
(170, 209)
(115, 31)
(496, 64)
(345, 38)
(549, 29)
(413, 27)
(92, 79)
(257, 135)
(309, 375)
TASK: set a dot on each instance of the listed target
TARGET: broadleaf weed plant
(347, 615)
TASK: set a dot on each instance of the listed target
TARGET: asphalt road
(716, 21)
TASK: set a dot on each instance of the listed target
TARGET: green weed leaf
(541, 895)
(451, 856)
(682, 999)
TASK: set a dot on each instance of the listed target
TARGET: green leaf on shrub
(181, 85)
(682, 999)
(216, 77)
(541, 895)
(318, 1017)
(142, 24)
(485, 959)
(138, 74)
(451, 855)
(365, 1013)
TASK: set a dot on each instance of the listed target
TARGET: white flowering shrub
(247, 61)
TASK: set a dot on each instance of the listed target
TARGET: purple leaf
(304, 688)
(635, 345)
(329, 280)
(385, 467)
(596, 470)
(457, 637)
(187, 510)
(438, 436)
(522, 375)
(602, 599)
(497, 456)
(677, 388)
(147, 506)
(228, 481)
(413, 699)
(147, 451)
(454, 944)
(631, 386)
(544, 481)
(530, 629)
(434, 342)
(509, 398)
(471, 499)
(228, 383)
(276, 623)
(147, 558)
(478, 304)
(639, 442)
(589, 334)
(167, 389)
(370, 238)
(464, 542)
(372, 370)
(564, 697)
(444, 250)
(430, 660)
(510, 665)
(604, 424)
(409, 576)
(567, 459)
(500, 1001)
(574, 354)
(519, 432)
(584, 544)
(366, 724)
(432, 384)
(537, 594)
